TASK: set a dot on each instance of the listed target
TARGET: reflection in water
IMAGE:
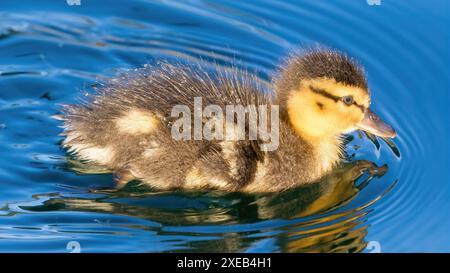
(314, 222)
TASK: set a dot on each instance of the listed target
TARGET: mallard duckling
(127, 125)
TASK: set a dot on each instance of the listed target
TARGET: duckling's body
(127, 126)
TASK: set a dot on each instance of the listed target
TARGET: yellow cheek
(335, 114)
(314, 115)
(350, 115)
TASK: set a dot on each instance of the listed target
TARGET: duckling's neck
(324, 140)
(328, 151)
(327, 148)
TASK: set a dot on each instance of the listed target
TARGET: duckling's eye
(348, 100)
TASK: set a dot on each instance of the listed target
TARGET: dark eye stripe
(324, 93)
(362, 108)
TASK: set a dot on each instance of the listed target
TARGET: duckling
(126, 126)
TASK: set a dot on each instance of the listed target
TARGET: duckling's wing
(118, 125)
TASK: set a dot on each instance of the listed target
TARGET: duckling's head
(324, 93)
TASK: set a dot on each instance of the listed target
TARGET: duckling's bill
(373, 124)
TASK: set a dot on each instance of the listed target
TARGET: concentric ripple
(54, 53)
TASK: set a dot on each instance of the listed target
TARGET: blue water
(52, 52)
